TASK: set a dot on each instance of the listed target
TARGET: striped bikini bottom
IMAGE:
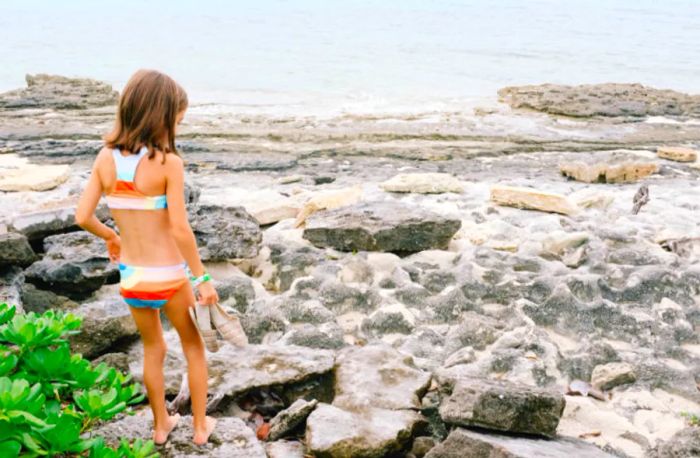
(150, 286)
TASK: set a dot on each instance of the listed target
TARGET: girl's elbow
(81, 218)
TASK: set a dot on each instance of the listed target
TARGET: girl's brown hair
(147, 114)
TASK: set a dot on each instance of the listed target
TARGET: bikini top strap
(126, 165)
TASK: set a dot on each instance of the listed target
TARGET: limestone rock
(289, 419)
(75, 264)
(106, 322)
(371, 432)
(225, 233)
(393, 318)
(285, 449)
(39, 300)
(378, 376)
(677, 153)
(231, 438)
(683, 444)
(49, 91)
(462, 443)
(42, 223)
(327, 335)
(625, 172)
(423, 183)
(532, 199)
(327, 201)
(607, 376)
(608, 99)
(15, 250)
(503, 406)
(380, 226)
(17, 174)
(235, 371)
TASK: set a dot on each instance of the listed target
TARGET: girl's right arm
(180, 226)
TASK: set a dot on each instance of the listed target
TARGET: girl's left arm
(85, 214)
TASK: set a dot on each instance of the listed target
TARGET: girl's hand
(207, 293)
(114, 247)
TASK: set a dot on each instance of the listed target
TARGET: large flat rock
(231, 438)
(41, 223)
(608, 99)
(370, 433)
(380, 226)
(17, 174)
(532, 199)
(235, 371)
(503, 406)
(50, 91)
(462, 443)
(377, 375)
(605, 172)
(677, 153)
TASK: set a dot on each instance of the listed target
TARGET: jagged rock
(370, 432)
(532, 199)
(678, 154)
(425, 345)
(342, 298)
(394, 318)
(625, 172)
(503, 406)
(683, 444)
(607, 376)
(17, 174)
(225, 233)
(15, 250)
(236, 371)
(236, 292)
(75, 264)
(378, 376)
(423, 183)
(39, 300)
(291, 418)
(449, 304)
(608, 99)
(50, 91)
(462, 443)
(231, 438)
(292, 261)
(260, 318)
(327, 335)
(107, 323)
(380, 226)
(475, 330)
(11, 281)
(308, 311)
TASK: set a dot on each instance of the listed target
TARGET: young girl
(142, 176)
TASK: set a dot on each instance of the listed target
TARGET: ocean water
(354, 56)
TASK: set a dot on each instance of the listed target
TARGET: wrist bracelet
(199, 280)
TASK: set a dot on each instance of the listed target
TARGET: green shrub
(50, 398)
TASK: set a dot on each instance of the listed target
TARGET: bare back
(146, 235)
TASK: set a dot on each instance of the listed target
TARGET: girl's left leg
(154, 349)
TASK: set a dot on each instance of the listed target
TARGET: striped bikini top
(125, 195)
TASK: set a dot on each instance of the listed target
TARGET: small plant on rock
(50, 398)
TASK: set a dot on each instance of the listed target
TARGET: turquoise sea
(364, 55)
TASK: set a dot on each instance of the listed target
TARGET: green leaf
(10, 449)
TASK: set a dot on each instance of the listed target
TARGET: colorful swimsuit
(142, 286)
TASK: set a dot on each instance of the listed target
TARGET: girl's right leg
(177, 311)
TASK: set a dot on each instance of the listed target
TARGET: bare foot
(160, 436)
(201, 437)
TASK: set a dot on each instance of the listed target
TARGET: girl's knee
(155, 350)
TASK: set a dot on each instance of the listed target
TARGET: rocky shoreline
(437, 285)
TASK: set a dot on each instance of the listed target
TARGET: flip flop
(229, 326)
(201, 317)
